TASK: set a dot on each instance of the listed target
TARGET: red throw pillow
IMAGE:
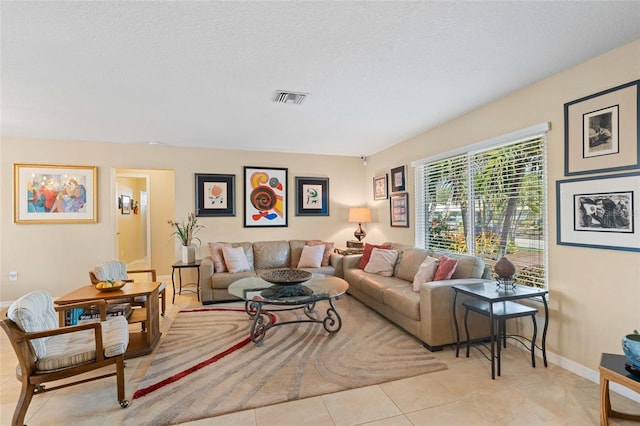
(446, 268)
(366, 254)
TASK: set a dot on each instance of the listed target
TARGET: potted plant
(185, 231)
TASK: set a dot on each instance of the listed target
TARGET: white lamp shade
(360, 215)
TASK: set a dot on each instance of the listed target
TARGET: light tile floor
(462, 395)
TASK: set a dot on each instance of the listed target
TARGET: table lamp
(360, 215)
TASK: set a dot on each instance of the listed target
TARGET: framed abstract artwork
(399, 214)
(215, 195)
(312, 196)
(45, 193)
(265, 197)
(398, 179)
(380, 187)
(599, 212)
(602, 131)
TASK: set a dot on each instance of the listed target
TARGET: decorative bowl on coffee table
(286, 276)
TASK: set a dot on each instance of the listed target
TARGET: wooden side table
(180, 266)
(612, 370)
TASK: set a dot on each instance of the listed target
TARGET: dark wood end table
(180, 266)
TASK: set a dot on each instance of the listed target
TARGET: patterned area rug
(207, 366)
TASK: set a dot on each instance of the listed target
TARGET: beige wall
(57, 257)
(595, 294)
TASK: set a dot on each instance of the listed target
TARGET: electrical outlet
(13, 276)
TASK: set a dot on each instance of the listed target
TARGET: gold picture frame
(47, 193)
(602, 131)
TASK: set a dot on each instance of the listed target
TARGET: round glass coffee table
(258, 294)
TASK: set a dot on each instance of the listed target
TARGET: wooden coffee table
(142, 342)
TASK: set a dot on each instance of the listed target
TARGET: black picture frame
(599, 212)
(381, 187)
(126, 204)
(602, 131)
(398, 179)
(312, 196)
(265, 197)
(215, 195)
(399, 210)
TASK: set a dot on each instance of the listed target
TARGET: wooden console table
(142, 342)
(612, 370)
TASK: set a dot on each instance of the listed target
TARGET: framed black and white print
(599, 212)
(265, 197)
(398, 179)
(312, 196)
(399, 214)
(215, 195)
(601, 131)
(380, 187)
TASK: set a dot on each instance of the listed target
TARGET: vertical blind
(490, 202)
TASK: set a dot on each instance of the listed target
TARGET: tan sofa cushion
(271, 254)
(467, 267)
(403, 300)
(409, 262)
(375, 285)
(295, 247)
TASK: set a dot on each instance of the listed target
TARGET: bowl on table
(631, 348)
(107, 286)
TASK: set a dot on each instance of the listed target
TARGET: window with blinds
(490, 202)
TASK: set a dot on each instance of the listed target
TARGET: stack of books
(80, 316)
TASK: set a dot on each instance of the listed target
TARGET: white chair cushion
(70, 349)
(34, 312)
(111, 270)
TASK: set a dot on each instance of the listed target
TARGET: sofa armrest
(206, 272)
(436, 302)
(336, 260)
(351, 261)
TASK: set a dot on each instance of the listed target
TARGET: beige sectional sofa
(261, 256)
(426, 314)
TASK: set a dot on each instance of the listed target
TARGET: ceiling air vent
(288, 97)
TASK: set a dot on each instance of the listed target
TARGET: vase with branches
(185, 231)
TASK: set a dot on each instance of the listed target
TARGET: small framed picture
(215, 195)
(126, 204)
(312, 196)
(380, 187)
(602, 131)
(399, 214)
(398, 179)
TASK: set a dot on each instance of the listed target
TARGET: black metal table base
(263, 320)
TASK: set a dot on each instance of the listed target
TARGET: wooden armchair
(117, 270)
(48, 351)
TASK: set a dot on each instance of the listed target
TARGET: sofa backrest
(296, 247)
(468, 266)
(271, 254)
(409, 262)
(248, 251)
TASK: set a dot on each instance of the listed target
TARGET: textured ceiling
(204, 73)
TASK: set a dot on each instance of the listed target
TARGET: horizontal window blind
(489, 202)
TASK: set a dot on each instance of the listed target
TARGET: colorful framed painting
(601, 131)
(312, 196)
(126, 204)
(599, 212)
(45, 193)
(215, 195)
(380, 187)
(265, 197)
(398, 179)
(399, 214)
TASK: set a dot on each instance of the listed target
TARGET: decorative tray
(106, 286)
(286, 276)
